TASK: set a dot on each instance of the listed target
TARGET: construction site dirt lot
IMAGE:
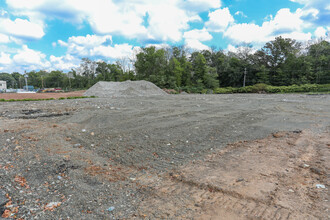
(53, 95)
(252, 156)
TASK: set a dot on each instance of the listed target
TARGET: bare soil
(237, 156)
(54, 95)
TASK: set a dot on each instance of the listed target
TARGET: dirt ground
(252, 156)
(8, 96)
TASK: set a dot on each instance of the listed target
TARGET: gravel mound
(124, 89)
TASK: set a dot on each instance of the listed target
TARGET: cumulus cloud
(5, 58)
(19, 28)
(62, 43)
(201, 35)
(98, 46)
(320, 32)
(241, 14)
(285, 23)
(27, 57)
(123, 18)
(322, 7)
(115, 52)
(219, 20)
(194, 39)
(65, 63)
(22, 59)
(4, 38)
(196, 45)
(201, 5)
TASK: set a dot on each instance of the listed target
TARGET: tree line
(280, 62)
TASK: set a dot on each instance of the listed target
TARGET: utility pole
(244, 77)
(26, 83)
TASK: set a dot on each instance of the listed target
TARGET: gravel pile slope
(124, 89)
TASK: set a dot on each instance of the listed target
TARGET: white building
(3, 85)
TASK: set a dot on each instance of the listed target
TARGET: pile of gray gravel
(124, 89)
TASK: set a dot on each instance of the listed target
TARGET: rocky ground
(250, 156)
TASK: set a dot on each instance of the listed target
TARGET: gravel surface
(124, 89)
(90, 158)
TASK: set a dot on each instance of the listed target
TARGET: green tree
(10, 80)
(319, 56)
(274, 54)
(151, 65)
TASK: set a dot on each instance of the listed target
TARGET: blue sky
(56, 34)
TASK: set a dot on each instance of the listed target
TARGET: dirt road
(16, 96)
(174, 157)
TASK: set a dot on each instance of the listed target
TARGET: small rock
(83, 130)
(291, 190)
(316, 170)
(320, 186)
(110, 209)
(52, 205)
(240, 180)
(3, 201)
(77, 145)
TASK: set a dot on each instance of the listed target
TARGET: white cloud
(284, 24)
(90, 40)
(4, 38)
(167, 19)
(64, 63)
(247, 33)
(242, 50)
(201, 35)
(94, 45)
(194, 37)
(83, 45)
(3, 13)
(5, 58)
(32, 58)
(241, 14)
(114, 52)
(195, 18)
(196, 45)
(166, 22)
(299, 36)
(219, 20)
(317, 11)
(201, 5)
(62, 43)
(21, 28)
(320, 32)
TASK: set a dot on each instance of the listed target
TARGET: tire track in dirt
(208, 189)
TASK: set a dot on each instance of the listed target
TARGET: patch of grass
(259, 88)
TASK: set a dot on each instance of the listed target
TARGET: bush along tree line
(282, 65)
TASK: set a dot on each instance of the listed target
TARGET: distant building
(29, 88)
(3, 85)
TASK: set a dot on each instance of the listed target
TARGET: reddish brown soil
(8, 96)
(271, 178)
